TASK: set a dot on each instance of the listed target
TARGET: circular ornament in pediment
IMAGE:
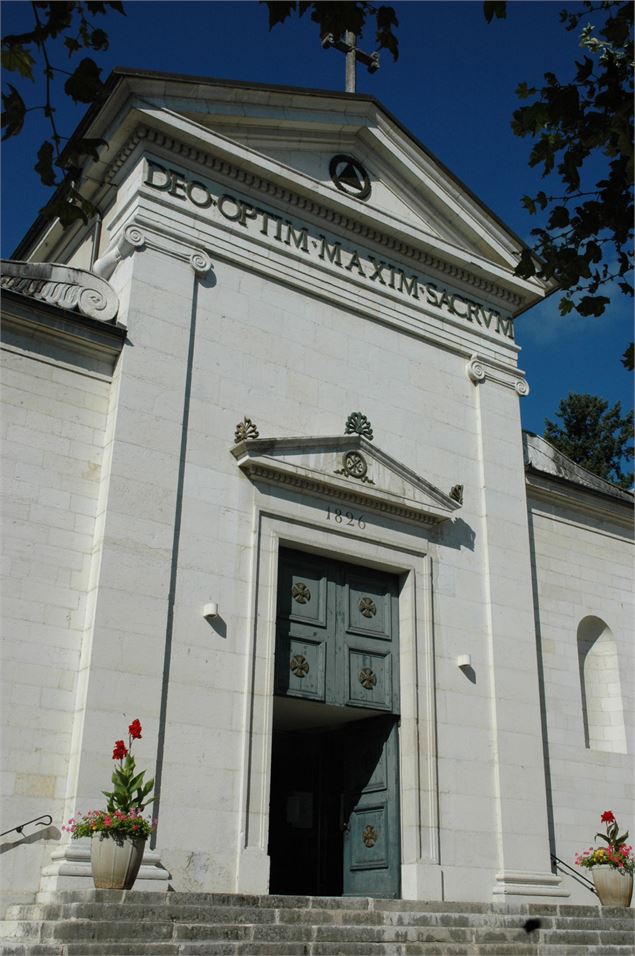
(349, 176)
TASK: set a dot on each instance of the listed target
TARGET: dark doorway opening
(327, 784)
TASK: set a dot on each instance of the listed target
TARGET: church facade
(267, 491)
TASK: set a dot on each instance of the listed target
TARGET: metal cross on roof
(348, 46)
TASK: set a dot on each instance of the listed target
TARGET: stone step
(108, 923)
(316, 948)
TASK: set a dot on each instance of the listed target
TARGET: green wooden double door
(334, 811)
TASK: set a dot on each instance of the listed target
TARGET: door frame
(387, 549)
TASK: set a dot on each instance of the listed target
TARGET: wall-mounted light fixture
(464, 660)
(210, 611)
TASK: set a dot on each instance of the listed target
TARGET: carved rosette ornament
(367, 678)
(301, 593)
(475, 370)
(354, 465)
(367, 607)
(521, 387)
(299, 666)
(76, 290)
(245, 429)
(369, 836)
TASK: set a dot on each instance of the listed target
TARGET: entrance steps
(112, 923)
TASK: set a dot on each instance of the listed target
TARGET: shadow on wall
(48, 833)
(458, 534)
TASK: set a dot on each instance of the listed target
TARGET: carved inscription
(300, 237)
(345, 517)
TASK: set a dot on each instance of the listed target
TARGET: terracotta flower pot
(613, 887)
(115, 859)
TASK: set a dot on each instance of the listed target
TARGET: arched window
(602, 709)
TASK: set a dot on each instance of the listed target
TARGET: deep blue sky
(453, 87)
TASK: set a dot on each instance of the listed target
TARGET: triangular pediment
(282, 144)
(346, 470)
(408, 186)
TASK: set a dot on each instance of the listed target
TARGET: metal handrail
(569, 871)
(39, 820)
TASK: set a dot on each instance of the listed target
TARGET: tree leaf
(99, 40)
(279, 10)
(13, 112)
(44, 165)
(492, 9)
(592, 305)
(529, 204)
(17, 59)
(525, 267)
(78, 149)
(66, 212)
(72, 45)
(559, 217)
(84, 85)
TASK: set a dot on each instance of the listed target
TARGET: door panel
(369, 680)
(337, 635)
(302, 593)
(372, 851)
(300, 667)
(337, 643)
(369, 607)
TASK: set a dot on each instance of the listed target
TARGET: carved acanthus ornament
(245, 429)
(358, 424)
(76, 290)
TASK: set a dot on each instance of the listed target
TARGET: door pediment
(347, 468)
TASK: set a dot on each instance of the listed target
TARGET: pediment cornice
(449, 266)
(347, 469)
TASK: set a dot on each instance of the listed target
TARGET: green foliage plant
(130, 795)
(60, 29)
(582, 129)
(338, 18)
(617, 855)
(595, 436)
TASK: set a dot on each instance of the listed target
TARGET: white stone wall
(583, 567)
(274, 333)
(297, 366)
(55, 404)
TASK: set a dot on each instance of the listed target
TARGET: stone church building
(267, 491)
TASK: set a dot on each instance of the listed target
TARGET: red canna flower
(135, 729)
(607, 817)
(120, 750)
